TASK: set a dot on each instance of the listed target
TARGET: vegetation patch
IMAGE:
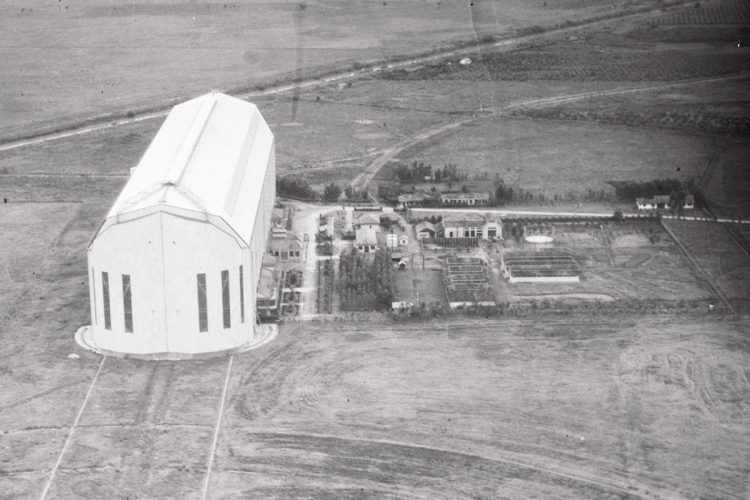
(365, 281)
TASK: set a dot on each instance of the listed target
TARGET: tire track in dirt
(152, 404)
(379, 460)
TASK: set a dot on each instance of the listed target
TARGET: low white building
(658, 202)
(471, 225)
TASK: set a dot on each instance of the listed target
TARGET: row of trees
(418, 171)
(324, 299)
(365, 282)
(505, 194)
(294, 186)
(536, 307)
(332, 192)
(630, 190)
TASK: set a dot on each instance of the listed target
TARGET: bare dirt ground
(573, 408)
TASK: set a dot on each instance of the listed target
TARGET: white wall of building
(165, 253)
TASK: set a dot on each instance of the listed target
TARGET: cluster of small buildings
(662, 202)
(375, 230)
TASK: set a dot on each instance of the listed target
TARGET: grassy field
(718, 255)
(558, 158)
(66, 60)
(715, 114)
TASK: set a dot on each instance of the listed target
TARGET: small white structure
(689, 203)
(538, 238)
(174, 267)
(396, 238)
(658, 202)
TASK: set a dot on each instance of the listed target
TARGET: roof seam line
(175, 179)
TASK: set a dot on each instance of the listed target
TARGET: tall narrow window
(242, 296)
(202, 307)
(105, 299)
(127, 303)
(93, 293)
(225, 299)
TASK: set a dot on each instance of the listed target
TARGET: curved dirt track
(473, 409)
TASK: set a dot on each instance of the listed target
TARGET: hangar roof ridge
(210, 155)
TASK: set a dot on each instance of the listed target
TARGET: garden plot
(627, 261)
(541, 267)
(419, 286)
(466, 281)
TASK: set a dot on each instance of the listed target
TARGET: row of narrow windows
(226, 309)
(127, 300)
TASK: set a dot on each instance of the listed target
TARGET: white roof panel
(200, 160)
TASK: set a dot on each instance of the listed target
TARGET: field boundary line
(214, 442)
(698, 268)
(69, 438)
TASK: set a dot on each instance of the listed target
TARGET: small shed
(425, 230)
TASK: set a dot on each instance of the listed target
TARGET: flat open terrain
(67, 60)
(557, 407)
(564, 158)
(721, 258)
(580, 408)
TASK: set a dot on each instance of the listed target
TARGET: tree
(293, 186)
(331, 192)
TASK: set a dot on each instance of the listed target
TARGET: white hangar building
(175, 265)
